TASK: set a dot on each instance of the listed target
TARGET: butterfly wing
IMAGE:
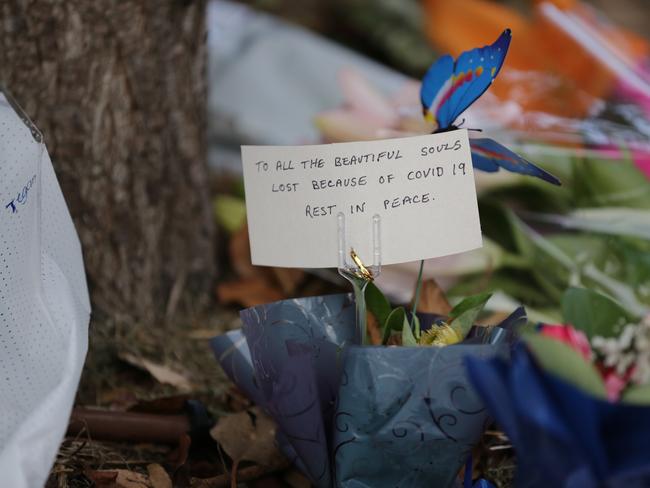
(446, 93)
(489, 155)
(436, 81)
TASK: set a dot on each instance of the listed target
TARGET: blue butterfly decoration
(450, 86)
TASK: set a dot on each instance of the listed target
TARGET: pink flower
(368, 114)
(572, 337)
(614, 384)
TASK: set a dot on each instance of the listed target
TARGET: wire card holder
(356, 272)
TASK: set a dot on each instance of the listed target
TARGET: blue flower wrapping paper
(563, 437)
(358, 416)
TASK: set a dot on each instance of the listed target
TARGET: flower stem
(359, 285)
(418, 288)
(360, 298)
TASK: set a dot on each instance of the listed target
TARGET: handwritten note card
(421, 187)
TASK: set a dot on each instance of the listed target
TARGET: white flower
(629, 351)
(606, 347)
(626, 337)
(609, 348)
(641, 373)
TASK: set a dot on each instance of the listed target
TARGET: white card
(421, 187)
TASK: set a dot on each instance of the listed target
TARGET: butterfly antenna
(461, 124)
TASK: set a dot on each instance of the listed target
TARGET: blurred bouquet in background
(572, 98)
(573, 79)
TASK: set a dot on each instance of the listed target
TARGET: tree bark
(118, 89)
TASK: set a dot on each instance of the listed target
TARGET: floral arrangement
(369, 415)
(613, 344)
(623, 362)
(575, 398)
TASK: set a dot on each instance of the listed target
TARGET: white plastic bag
(44, 305)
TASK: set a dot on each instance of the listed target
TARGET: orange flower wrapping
(541, 44)
(454, 27)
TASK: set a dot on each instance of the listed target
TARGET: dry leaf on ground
(248, 436)
(131, 479)
(158, 477)
(102, 479)
(289, 279)
(162, 374)
(240, 253)
(248, 292)
(256, 284)
(119, 478)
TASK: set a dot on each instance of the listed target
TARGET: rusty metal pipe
(110, 425)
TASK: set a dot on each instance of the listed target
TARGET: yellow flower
(439, 335)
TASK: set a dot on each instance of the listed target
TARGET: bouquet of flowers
(575, 398)
(365, 415)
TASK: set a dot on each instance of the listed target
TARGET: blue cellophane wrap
(357, 416)
(562, 436)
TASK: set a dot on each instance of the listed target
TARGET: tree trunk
(118, 89)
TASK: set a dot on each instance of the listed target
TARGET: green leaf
(515, 284)
(637, 395)
(377, 303)
(618, 221)
(416, 327)
(633, 259)
(580, 247)
(408, 339)
(535, 247)
(593, 313)
(230, 212)
(560, 360)
(464, 314)
(555, 269)
(469, 303)
(394, 322)
(238, 189)
(490, 256)
(599, 183)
